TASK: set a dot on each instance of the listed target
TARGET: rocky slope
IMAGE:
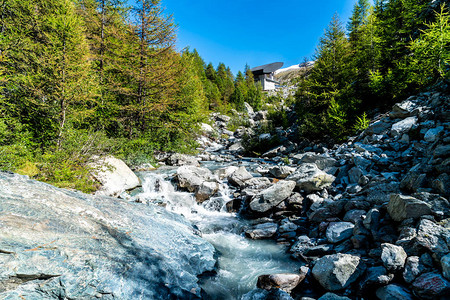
(369, 218)
(58, 244)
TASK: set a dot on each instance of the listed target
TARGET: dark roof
(266, 69)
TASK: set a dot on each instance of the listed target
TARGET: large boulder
(285, 281)
(114, 176)
(339, 231)
(310, 178)
(321, 161)
(262, 231)
(403, 126)
(393, 257)
(206, 190)
(337, 271)
(238, 177)
(191, 178)
(272, 196)
(402, 207)
(433, 237)
(60, 244)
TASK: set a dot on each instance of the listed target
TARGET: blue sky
(256, 32)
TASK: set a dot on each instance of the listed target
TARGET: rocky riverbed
(367, 219)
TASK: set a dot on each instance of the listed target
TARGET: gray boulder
(393, 257)
(413, 268)
(337, 271)
(322, 162)
(60, 244)
(404, 207)
(191, 178)
(403, 126)
(238, 177)
(206, 190)
(285, 281)
(339, 231)
(262, 231)
(404, 109)
(225, 172)
(433, 237)
(310, 178)
(281, 172)
(272, 196)
(114, 176)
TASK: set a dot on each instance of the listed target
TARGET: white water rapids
(240, 260)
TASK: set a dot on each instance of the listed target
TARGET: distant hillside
(286, 75)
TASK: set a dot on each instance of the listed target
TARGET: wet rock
(404, 207)
(431, 286)
(272, 196)
(413, 268)
(393, 257)
(191, 178)
(233, 206)
(332, 296)
(445, 264)
(403, 126)
(70, 245)
(310, 178)
(281, 172)
(261, 294)
(394, 291)
(339, 231)
(285, 281)
(337, 271)
(114, 176)
(178, 159)
(262, 231)
(206, 190)
(238, 177)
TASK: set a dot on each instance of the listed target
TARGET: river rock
(114, 175)
(402, 207)
(431, 286)
(272, 196)
(285, 281)
(262, 231)
(191, 178)
(261, 294)
(206, 190)
(178, 159)
(281, 172)
(258, 183)
(393, 257)
(60, 244)
(394, 291)
(238, 177)
(225, 172)
(310, 178)
(337, 271)
(339, 231)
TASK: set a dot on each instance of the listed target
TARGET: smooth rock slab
(393, 257)
(337, 271)
(310, 178)
(114, 175)
(59, 244)
(272, 196)
(404, 207)
(339, 231)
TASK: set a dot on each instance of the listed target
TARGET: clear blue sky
(256, 32)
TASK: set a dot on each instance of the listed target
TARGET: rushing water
(240, 260)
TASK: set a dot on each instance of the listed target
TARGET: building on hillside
(264, 74)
